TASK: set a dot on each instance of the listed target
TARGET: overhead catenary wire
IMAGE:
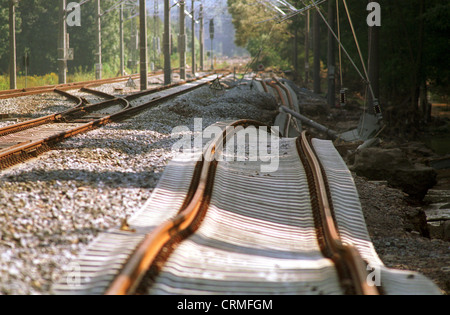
(290, 6)
(300, 11)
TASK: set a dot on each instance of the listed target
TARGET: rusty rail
(157, 243)
(154, 250)
(349, 264)
(74, 85)
(52, 88)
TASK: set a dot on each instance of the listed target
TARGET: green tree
(263, 38)
(36, 35)
(414, 50)
(4, 36)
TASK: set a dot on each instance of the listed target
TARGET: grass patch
(52, 78)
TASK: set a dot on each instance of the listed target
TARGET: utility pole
(316, 40)
(167, 44)
(12, 46)
(122, 57)
(193, 39)
(62, 37)
(156, 42)
(201, 39)
(374, 62)
(331, 57)
(98, 66)
(182, 41)
(143, 44)
(211, 36)
(307, 30)
(296, 52)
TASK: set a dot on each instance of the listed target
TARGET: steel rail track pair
(68, 86)
(156, 245)
(154, 250)
(24, 150)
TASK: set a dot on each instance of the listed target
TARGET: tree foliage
(413, 48)
(269, 41)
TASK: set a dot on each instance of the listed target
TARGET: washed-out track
(221, 222)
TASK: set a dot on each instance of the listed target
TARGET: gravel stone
(34, 106)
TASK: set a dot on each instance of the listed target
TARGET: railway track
(25, 140)
(217, 223)
(74, 85)
(64, 87)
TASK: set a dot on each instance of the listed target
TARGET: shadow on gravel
(111, 179)
(141, 144)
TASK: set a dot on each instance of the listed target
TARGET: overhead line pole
(143, 44)
(331, 57)
(12, 46)
(374, 63)
(62, 37)
(201, 39)
(296, 53)
(122, 57)
(193, 39)
(167, 44)
(98, 66)
(156, 46)
(182, 41)
(211, 36)
(316, 42)
(307, 31)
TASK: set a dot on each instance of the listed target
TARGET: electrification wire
(300, 11)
